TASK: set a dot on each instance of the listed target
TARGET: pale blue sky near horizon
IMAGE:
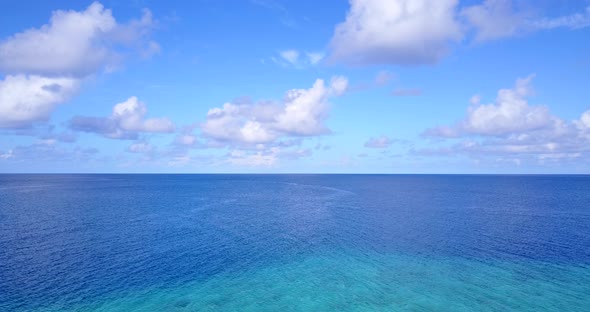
(270, 86)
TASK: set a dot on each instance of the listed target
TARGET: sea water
(294, 243)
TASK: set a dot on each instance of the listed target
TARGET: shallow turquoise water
(294, 243)
(371, 282)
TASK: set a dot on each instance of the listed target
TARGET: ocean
(294, 243)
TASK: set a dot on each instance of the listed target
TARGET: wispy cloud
(298, 59)
(406, 92)
(496, 19)
(379, 142)
(573, 21)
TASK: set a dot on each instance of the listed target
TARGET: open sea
(294, 243)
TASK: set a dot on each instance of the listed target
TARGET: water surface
(294, 243)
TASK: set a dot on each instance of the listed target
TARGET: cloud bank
(511, 127)
(45, 66)
(75, 43)
(419, 32)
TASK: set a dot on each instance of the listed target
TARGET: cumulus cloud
(584, 122)
(509, 114)
(28, 99)
(379, 142)
(74, 43)
(241, 122)
(416, 32)
(407, 32)
(511, 129)
(125, 122)
(305, 110)
(45, 66)
(301, 113)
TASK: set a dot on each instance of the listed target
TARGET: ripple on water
(373, 282)
(294, 243)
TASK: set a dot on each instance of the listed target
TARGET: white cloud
(338, 85)
(74, 43)
(298, 59)
(130, 115)
(574, 21)
(314, 57)
(238, 122)
(494, 19)
(301, 113)
(126, 121)
(415, 32)
(510, 129)
(45, 66)
(305, 110)
(290, 56)
(7, 155)
(379, 142)
(584, 122)
(28, 99)
(509, 114)
(395, 32)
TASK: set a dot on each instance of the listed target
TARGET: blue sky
(360, 86)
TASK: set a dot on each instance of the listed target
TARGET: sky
(283, 86)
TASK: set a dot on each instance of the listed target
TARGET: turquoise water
(372, 283)
(294, 243)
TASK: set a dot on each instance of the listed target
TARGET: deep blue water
(294, 243)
